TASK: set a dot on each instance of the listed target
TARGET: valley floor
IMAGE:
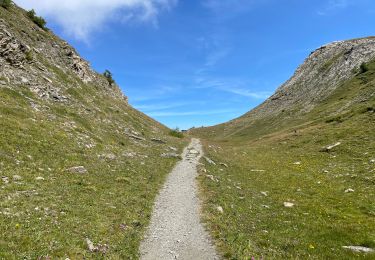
(281, 196)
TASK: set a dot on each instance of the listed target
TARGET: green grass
(112, 203)
(176, 133)
(282, 156)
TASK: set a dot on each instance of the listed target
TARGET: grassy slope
(111, 204)
(324, 217)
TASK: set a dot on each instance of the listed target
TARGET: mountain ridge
(321, 73)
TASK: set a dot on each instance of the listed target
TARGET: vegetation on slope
(279, 161)
(73, 170)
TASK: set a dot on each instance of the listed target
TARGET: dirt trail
(175, 231)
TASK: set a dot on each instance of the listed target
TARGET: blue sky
(197, 63)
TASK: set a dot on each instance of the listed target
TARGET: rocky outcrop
(321, 73)
(43, 62)
(80, 67)
(11, 50)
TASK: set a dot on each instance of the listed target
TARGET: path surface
(175, 231)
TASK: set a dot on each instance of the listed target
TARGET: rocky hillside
(49, 66)
(322, 73)
(79, 167)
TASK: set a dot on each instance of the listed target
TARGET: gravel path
(175, 231)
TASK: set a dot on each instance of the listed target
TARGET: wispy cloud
(235, 86)
(153, 93)
(161, 106)
(230, 7)
(191, 113)
(80, 18)
(248, 93)
(216, 56)
(225, 9)
(334, 6)
(216, 49)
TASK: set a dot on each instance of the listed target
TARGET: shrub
(335, 119)
(37, 19)
(108, 75)
(29, 56)
(6, 3)
(176, 133)
(363, 68)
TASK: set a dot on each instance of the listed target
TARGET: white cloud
(80, 18)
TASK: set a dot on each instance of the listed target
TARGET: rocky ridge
(43, 62)
(321, 74)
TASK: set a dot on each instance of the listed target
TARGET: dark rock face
(11, 50)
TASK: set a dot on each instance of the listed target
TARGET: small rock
(297, 163)
(90, 245)
(39, 178)
(330, 147)
(123, 226)
(47, 79)
(5, 179)
(264, 193)
(159, 141)
(220, 209)
(349, 190)
(136, 137)
(211, 177)
(17, 178)
(173, 148)
(372, 161)
(209, 160)
(170, 155)
(78, 169)
(360, 249)
(288, 204)
(193, 151)
(109, 156)
(266, 206)
(99, 248)
(224, 164)
(24, 80)
(129, 154)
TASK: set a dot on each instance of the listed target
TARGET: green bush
(29, 56)
(176, 133)
(6, 3)
(335, 119)
(363, 68)
(108, 75)
(37, 19)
